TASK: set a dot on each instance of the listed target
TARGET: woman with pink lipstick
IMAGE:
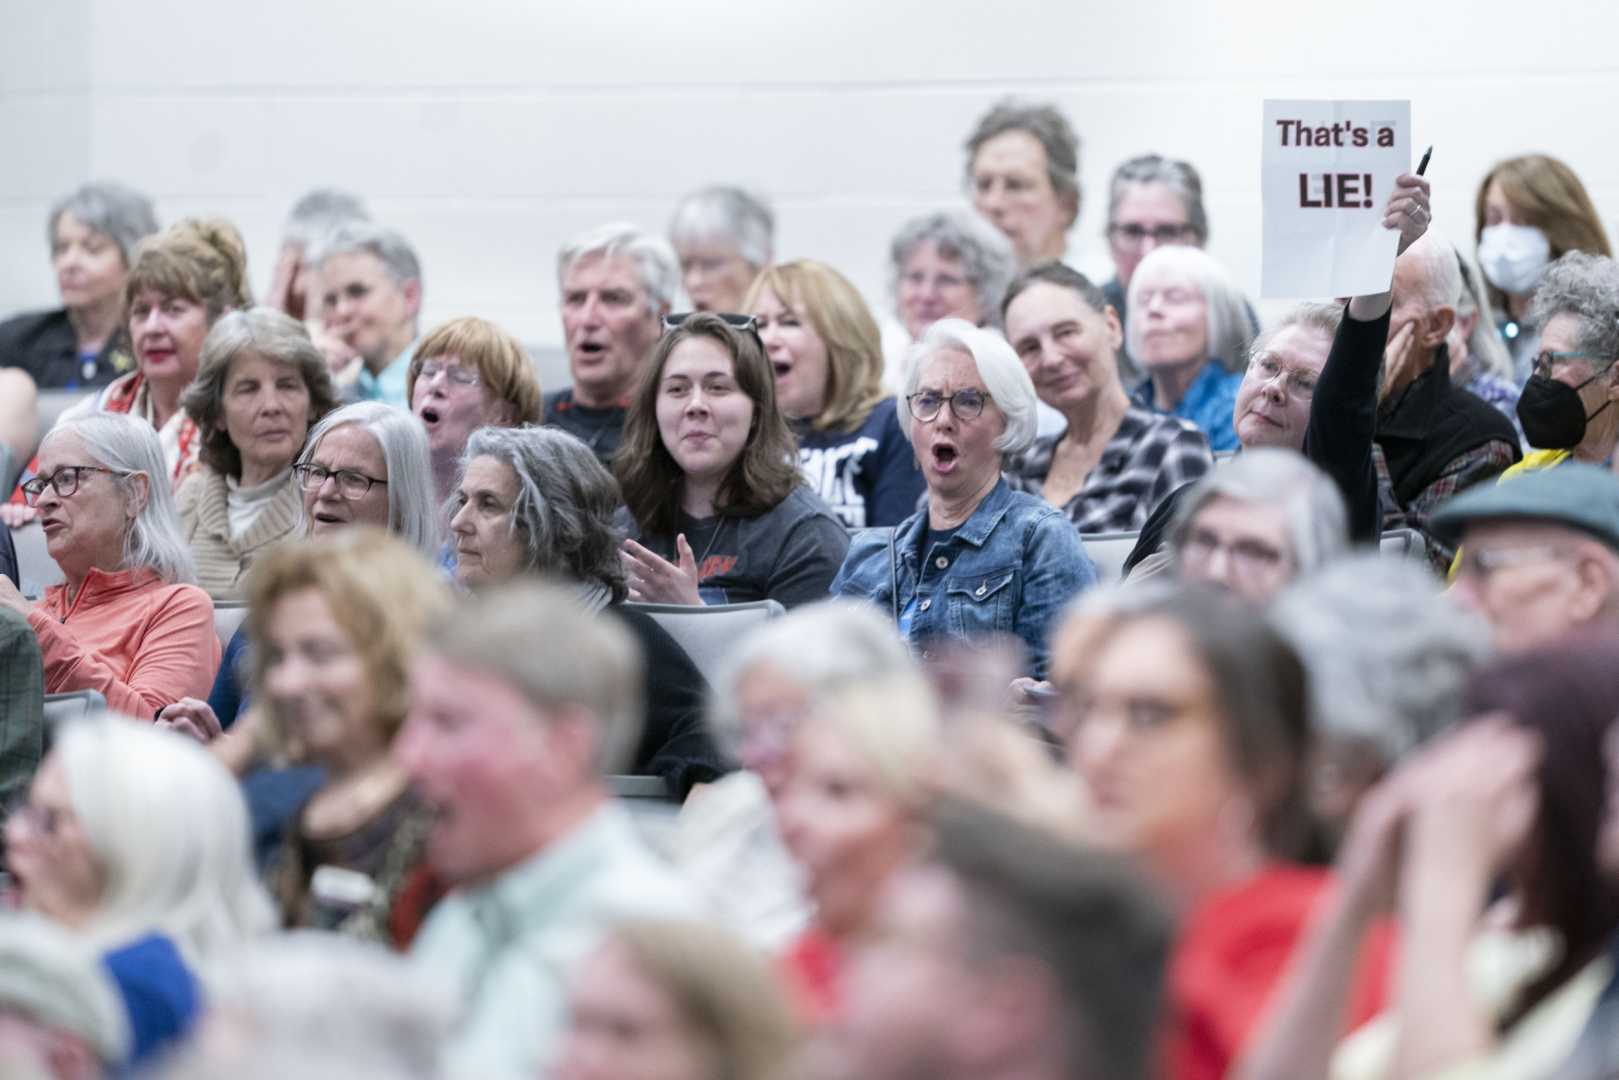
(981, 559)
(721, 513)
(182, 281)
(827, 354)
(260, 385)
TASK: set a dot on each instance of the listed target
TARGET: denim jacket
(1009, 569)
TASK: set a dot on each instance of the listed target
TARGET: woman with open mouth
(721, 513)
(981, 560)
(260, 385)
(826, 351)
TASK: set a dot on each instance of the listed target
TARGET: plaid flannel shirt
(1149, 456)
(1474, 467)
(22, 706)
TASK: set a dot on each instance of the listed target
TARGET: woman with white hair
(981, 559)
(127, 622)
(728, 841)
(1189, 330)
(1255, 525)
(137, 841)
(723, 236)
(368, 464)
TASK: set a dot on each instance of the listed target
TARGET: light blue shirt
(388, 386)
(510, 947)
(1209, 403)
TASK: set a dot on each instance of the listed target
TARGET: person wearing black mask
(1565, 407)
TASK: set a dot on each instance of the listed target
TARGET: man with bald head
(1434, 438)
(1540, 553)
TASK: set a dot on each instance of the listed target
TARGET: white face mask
(1513, 256)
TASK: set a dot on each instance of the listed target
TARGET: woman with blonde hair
(334, 624)
(826, 351)
(1529, 212)
(851, 815)
(665, 1000)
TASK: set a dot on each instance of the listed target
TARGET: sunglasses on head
(747, 324)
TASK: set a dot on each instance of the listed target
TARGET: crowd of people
(1324, 781)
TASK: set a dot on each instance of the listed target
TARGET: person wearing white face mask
(1530, 210)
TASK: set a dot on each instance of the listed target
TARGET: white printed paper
(1329, 167)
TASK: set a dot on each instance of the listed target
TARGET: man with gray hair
(724, 237)
(316, 215)
(520, 703)
(1539, 553)
(1435, 439)
(371, 295)
(617, 283)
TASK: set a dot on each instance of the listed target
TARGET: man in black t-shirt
(617, 284)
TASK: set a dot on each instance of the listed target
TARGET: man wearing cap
(1540, 553)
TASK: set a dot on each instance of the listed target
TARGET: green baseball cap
(1580, 496)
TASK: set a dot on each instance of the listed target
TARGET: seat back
(72, 705)
(37, 570)
(228, 617)
(1108, 551)
(1408, 543)
(709, 633)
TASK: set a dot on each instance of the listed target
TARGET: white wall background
(490, 130)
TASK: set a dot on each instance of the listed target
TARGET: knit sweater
(222, 560)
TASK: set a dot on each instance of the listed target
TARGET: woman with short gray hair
(1565, 406)
(724, 236)
(535, 500)
(1152, 201)
(127, 623)
(980, 559)
(92, 233)
(260, 384)
(1258, 523)
(952, 263)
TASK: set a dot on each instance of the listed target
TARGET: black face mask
(1552, 414)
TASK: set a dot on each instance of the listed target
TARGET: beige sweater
(205, 520)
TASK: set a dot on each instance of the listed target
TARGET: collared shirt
(1008, 569)
(388, 385)
(511, 946)
(1473, 467)
(1148, 457)
(1209, 403)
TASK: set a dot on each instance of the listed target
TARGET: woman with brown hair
(182, 280)
(261, 385)
(1529, 212)
(720, 513)
(334, 624)
(826, 350)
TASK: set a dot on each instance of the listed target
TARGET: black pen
(1422, 166)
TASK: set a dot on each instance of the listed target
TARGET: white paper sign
(1329, 167)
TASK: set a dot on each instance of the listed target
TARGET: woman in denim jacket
(982, 559)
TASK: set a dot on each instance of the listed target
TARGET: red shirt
(813, 967)
(1232, 953)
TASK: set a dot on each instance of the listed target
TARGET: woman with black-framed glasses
(981, 560)
(368, 464)
(128, 622)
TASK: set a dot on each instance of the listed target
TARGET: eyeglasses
(1482, 563)
(350, 484)
(1136, 235)
(64, 480)
(744, 323)
(1545, 361)
(964, 404)
(458, 374)
(1267, 368)
(1248, 556)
